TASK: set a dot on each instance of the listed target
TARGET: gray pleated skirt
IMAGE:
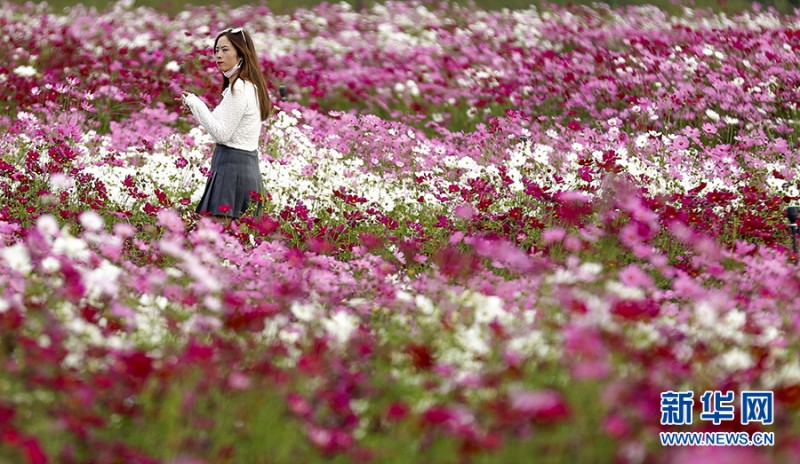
(234, 182)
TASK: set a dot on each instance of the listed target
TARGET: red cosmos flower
(225, 208)
(162, 198)
(371, 241)
(233, 299)
(150, 209)
(266, 225)
(311, 364)
(438, 414)
(6, 167)
(197, 352)
(698, 189)
(255, 196)
(789, 395)
(30, 446)
(485, 203)
(574, 125)
(73, 288)
(453, 262)
(138, 365)
(609, 162)
(421, 356)
(573, 212)
(6, 415)
(320, 245)
(245, 320)
(636, 309)
(397, 411)
(586, 173)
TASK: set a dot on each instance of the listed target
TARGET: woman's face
(225, 54)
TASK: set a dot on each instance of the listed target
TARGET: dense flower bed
(488, 236)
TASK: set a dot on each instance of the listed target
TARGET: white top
(236, 122)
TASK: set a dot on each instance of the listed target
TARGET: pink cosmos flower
(615, 425)
(464, 211)
(554, 235)
(541, 406)
(681, 142)
(456, 237)
(633, 276)
(170, 219)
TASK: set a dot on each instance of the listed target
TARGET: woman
(235, 125)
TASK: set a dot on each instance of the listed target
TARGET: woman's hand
(182, 99)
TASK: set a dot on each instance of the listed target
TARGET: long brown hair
(250, 70)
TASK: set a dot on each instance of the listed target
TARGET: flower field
(489, 237)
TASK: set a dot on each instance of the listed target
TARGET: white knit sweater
(236, 122)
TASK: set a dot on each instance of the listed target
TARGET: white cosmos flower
(102, 281)
(789, 374)
(51, 264)
(474, 340)
(706, 314)
(735, 319)
(25, 71)
(487, 308)
(735, 360)
(304, 311)
(47, 225)
(213, 303)
(623, 291)
(73, 248)
(341, 325)
(60, 181)
(17, 258)
(424, 304)
(541, 154)
(91, 221)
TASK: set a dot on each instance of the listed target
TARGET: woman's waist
(236, 149)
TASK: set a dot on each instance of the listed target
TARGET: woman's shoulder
(242, 84)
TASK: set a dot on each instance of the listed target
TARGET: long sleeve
(223, 121)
